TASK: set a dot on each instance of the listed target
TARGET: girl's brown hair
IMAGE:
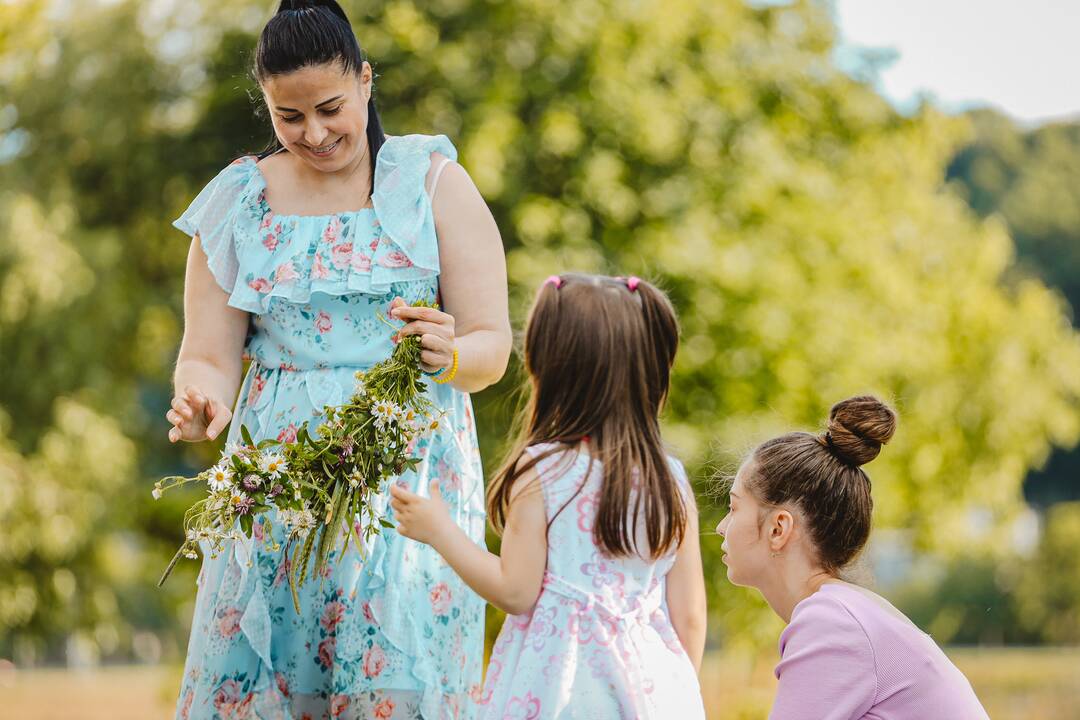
(598, 351)
(821, 475)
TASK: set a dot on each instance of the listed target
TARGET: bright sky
(1021, 56)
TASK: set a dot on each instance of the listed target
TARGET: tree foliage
(800, 225)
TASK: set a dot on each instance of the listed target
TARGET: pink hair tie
(632, 283)
(554, 280)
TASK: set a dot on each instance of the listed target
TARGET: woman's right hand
(195, 417)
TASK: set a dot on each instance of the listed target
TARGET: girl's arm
(510, 581)
(472, 283)
(210, 363)
(686, 591)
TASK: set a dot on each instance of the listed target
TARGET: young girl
(800, 511)
(600, 569)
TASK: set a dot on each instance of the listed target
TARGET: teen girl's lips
(325, 150)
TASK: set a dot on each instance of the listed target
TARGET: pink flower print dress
(599, 643)
(395, 634)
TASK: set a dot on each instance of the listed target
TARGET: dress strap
(435, 178)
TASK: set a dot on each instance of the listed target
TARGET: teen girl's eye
(291, 118)
(332, 111)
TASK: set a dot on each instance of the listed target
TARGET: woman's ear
(781, 527)
(366, 80)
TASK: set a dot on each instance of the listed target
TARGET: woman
(294, 256)
(800, 512)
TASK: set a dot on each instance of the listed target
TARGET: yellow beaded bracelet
(444, 378)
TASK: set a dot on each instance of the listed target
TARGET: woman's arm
(510, 581)
(686, 591)
(472, 283)
(208, 368)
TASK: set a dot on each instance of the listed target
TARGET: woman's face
(746, 545)
(320, 113)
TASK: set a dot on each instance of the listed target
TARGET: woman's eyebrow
(324, 102)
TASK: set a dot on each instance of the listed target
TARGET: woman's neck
(792, 581)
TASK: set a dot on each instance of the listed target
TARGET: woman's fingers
(434, 360)
(437, 344)
(423, 327)
(196, 398)
(410, 313)
(219, 416)
(182, 408)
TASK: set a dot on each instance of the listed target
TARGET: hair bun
(858, 427)
(331, 5)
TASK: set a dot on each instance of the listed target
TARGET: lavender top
(847, 655)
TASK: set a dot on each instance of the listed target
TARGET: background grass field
(1014, 684)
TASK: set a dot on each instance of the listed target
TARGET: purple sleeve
(826, 669)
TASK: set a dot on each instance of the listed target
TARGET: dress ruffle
(256, 255)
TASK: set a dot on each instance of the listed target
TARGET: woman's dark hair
(313, 32)
(821, 475)
(599, 351)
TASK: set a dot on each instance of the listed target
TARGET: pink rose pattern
(440, 597)
(598, 629)
(374, 661)
(288, 435)
(341, 638)
(229, 621)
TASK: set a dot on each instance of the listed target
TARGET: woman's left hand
(436, 331)
(420, 518)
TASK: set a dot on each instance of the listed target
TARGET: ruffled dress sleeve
(212, 216)
(408, 248)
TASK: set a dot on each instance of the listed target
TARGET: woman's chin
(733, 577)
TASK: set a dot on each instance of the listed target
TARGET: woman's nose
(315, 134)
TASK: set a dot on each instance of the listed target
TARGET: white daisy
(220, 477)
(273, 465)
(384, 412)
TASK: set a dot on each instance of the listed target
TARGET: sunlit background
(867, 196)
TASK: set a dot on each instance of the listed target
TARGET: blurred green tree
(800, 224)
(1030, 178)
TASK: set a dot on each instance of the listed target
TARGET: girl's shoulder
(554, 459)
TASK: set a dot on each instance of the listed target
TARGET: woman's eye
(291, 118)
(333, 111)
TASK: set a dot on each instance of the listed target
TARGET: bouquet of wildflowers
(321, 482)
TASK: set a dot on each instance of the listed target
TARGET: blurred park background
(817, 241)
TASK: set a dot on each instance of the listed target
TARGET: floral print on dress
(597, 644)
(392, 634)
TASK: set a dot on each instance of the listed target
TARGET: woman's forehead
(309, 85)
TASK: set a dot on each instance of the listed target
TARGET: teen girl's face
(320, 114)
(745, 546)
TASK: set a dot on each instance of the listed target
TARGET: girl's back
(599, 642)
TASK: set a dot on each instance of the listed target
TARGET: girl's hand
(436, 331)
(422, 519)
(195, 417)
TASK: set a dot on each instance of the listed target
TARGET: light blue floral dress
(599, 643)
(395, 634)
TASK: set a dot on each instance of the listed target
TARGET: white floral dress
(599, 643)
